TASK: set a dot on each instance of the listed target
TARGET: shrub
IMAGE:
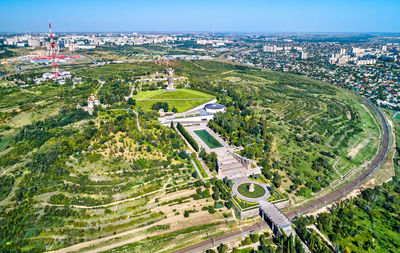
(254, 238)
(188, 137)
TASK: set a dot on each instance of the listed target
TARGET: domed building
(214, 108)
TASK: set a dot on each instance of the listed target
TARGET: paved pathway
(198, 170)
(321, 234)
(137, 120)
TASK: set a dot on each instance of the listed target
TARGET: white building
(303, 55)
(269, 49)
(92, 101)
(214, 108)
(366, 62)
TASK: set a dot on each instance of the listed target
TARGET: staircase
(228, 166)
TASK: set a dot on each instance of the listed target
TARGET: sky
(200, 15)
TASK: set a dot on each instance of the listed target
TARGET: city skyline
(181, 16)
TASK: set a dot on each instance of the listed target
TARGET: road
(18, 69)
(335, 195)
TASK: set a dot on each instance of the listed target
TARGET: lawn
(180, 105)
(147, 94)
(182, 99)
(208, 139)
(201, 169)
(244, 190)
(183, 94)
(242, 204)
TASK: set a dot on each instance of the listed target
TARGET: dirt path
(322, 235)
(348, 114)
(116, 202)
(334, 167)
(93, 243)
(354, 151)
(137, 120)
(197, 65)
(87, 244)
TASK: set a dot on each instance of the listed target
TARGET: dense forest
(367, 223)
(113, 92)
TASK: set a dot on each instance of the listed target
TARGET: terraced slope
(307, 135)
(67, 177)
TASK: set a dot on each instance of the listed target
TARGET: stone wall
(282, 204)
(248, 213)
(246, 162)
(245, 213)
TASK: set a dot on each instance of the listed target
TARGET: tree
(298, 246)
(131, 101)
(277, 180)
(195, 175)
(187, 136)
(174, 110)
(223, 248)
(160, 105)
(229, 204)
(254, 238)
(246, 241)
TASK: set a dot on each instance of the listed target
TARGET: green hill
(68, 177)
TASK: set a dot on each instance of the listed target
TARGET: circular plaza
(250, 190)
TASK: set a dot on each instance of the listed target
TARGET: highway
(335, 195)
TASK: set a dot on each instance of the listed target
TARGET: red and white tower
(53, 52)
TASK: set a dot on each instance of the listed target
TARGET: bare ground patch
(354, 151)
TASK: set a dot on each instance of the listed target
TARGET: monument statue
(251, 187)
(170, 80)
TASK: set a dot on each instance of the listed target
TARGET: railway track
(353, 184)
(333, 196)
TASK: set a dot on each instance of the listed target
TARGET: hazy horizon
(254, 16)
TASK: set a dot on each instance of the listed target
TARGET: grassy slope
(287, 101)
(190, 98)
